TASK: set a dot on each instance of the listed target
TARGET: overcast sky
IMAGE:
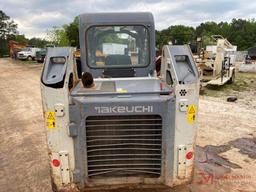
(35, 17)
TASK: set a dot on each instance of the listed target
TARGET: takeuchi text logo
(125, 109)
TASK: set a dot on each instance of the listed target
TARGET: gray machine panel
(144, 106)
(122, 86)
(183, 63)
(54, 72)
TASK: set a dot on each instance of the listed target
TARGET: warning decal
(50, 119)
(120, 90)
(191, 113)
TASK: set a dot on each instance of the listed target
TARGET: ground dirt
(225, 158)
(23, 152)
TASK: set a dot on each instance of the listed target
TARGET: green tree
(181, 34)
(224, 29)
(58, 36)
(178, 34)
(162, 38)
(208, 28)
(72, 32)
(8, 28)
(38, 42)
(239, 32)
(21, 38)
(243, 33)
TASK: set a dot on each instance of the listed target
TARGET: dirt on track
(226, 131)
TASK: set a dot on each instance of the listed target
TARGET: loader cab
(117, 44)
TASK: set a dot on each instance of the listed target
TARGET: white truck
(28, 53)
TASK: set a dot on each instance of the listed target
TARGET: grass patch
(243, 82)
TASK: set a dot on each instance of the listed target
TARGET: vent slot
(124, 145)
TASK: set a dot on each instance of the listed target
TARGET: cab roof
(116, 18)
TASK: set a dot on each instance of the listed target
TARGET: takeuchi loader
(120, 123)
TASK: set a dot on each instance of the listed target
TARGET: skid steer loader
(120, 124)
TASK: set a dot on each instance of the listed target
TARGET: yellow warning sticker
(191, 113)
(120, 90)
(50, 119)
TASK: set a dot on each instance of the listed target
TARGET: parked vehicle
(40, 55)
(28, 53)
(216, 65)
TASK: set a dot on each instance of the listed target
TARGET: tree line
(239, 32)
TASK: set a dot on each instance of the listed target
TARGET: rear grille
(124, 145)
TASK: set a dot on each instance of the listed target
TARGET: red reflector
(56, 162)
(161, 86)
(189, 155)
